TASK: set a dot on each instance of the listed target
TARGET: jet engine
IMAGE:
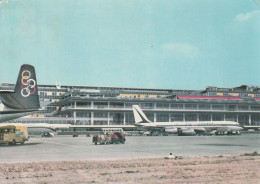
(173, 130)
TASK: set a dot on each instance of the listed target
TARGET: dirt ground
(211, 169)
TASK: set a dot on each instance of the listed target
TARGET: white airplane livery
(24, 99)
(184, 128)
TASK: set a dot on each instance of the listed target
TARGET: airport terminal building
(107, 106)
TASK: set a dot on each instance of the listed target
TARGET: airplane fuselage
(206, 126)
(191, 123)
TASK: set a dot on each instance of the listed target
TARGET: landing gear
(237, 133)
(157, 132)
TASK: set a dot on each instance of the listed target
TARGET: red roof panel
(210, 97)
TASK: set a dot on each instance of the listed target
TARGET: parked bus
(111, 130)
(11, 134)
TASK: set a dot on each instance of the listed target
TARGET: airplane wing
(40, 125)
(46, 125)
(6, 91)
(185, 130)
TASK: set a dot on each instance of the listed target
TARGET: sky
(166, 44)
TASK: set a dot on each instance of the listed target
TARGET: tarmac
(62, 148)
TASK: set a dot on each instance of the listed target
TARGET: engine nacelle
(187, 132)
(234, 128)
(200, 130)
(229, 129)
(173, 130)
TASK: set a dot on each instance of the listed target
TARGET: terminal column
(75, 117)
(155, 117)
(75, 113)
(92, 118)
(250, 119)
(108, 115)
(124, 118)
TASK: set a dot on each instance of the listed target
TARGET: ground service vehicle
(118, 137)
(11, 134)
(75, 134)
(47, 134)
(109, 136)
(101, 139)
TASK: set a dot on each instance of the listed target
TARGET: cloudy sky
(188, 44)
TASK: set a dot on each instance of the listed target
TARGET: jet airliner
(183, 128)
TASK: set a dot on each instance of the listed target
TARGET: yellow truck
(11, 134)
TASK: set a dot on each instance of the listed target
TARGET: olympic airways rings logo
(28, 85)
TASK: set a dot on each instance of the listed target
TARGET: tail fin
(140, 117)
(25, 95)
